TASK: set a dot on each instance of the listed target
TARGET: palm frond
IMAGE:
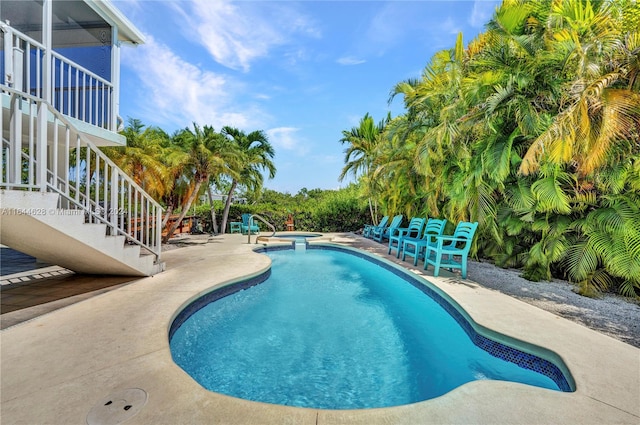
(550, 196)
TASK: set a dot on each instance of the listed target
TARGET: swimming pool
(369, 336)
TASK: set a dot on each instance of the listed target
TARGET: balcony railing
(73, 90)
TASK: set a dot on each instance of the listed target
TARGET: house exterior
(61, 199)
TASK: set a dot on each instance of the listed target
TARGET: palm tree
(255, 155)
(533, 130)
(175, 159)
(359, 155)
(200, 164)
(142, 157)
(601, 103)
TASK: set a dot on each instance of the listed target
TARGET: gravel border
(610, 314)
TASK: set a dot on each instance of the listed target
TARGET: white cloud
(387, 27)
(449, 26)
(482, 11)
(286, 138)
(349, 60)
(354, 120)
(238, 33)
(329, 159)
(178, 92)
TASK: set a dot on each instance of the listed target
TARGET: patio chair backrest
(396, 222)
(415, 227)
(465, 230)
(434, 227)
(383, 222)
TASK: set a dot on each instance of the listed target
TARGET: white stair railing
(45, 152)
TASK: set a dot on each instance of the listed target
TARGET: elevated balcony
(74, 91)
(67, 53)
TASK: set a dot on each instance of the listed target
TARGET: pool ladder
(262, 219)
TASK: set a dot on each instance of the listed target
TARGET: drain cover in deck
(117, 407)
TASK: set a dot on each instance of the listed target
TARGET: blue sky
(302, 71)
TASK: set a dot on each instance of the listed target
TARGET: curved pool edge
(481, 330)
(51, 378)
(495, 343)
(488, 338)
(224, 288)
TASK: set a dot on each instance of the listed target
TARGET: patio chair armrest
(399, 231)
(440, 242)
(404, 231)
(451, 238)
(430, 237)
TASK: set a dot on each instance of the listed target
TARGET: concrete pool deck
(56, 367)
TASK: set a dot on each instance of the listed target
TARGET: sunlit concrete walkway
(57, 367)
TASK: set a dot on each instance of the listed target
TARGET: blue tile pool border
(494, 348)
(215, 295)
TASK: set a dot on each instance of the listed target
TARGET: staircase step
(61, 236)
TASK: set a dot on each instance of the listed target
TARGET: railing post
(77, 167)
(18, 58)
(55, 168)
(114, 208)
(41, 147)
(47, 74)
(105, 191)
(114, 92)
(87, 185)
(15, 137)
(15, 141)
(158, 232)
(8, 53)
(33, 111)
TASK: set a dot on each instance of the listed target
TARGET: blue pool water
(332, 330)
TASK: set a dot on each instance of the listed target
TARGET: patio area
(60, 365)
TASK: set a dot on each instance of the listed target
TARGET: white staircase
(32, 223)
(63, 201)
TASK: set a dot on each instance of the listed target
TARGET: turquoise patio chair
(368, 228)
(415, 247)
(413, 230)
(381, 234)
(443, 254)
(248, 225)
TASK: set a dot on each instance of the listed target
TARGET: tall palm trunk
(227, 205)
(375, 211)
(373, 217)
(167, 214)
(213, 211)
(185, 208)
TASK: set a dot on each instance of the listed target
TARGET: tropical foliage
(255, 155)
(312, 210)
(361, 144)
(532, 129)
(176, 170)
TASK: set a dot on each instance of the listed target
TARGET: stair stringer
(31, 223)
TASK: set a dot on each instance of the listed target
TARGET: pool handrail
(259, 217)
